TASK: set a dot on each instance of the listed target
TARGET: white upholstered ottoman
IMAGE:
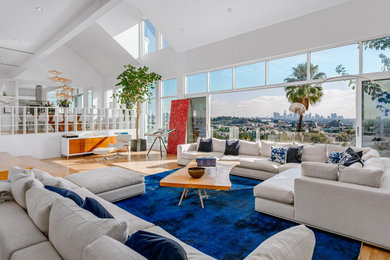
(111, 183)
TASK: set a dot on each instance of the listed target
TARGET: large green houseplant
(136, 84)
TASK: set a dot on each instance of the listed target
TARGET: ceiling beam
(89, 16)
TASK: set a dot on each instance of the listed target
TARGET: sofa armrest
(354, 210)
(294, 243)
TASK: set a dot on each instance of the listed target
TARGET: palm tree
(304, 94)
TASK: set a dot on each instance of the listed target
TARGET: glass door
(196, 124)
(376, 115)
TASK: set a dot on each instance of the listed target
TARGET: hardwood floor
(137, 161)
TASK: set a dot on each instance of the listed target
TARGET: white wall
(352, 21)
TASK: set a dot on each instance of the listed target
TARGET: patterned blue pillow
(335, 157)
(279, 154)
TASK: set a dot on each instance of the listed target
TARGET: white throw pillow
(72, 228)
(39, 202)
(314, 153)
(265, 148)
(327, 171)
(40, 175)
(249, 148)
(105, 248)
(371, 154)
(293, 243)
(21, 186)
(219, 145)
(16, 173)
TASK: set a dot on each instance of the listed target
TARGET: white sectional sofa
(351, 201)
(42, 225)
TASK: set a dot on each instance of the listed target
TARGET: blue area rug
(228, 227)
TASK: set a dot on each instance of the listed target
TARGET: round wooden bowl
(196, 172)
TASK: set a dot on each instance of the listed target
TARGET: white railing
(26, 120)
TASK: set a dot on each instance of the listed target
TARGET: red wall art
(178, 121)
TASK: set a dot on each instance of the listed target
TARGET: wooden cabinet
(78, 146)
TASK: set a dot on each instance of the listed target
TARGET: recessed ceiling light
(229, 10)
(39, 9)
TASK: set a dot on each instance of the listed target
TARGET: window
(221, 79)
(152, 90)
(169, 87)
(376, 55)
(333, 62)
(376, 116)
(164, 43)
(282, 70)
(90, 98)
(77, 98)
(251, 75)
(149, 37)
(264, 114)
(166, 111)
(151, 118)
(108, 102)
(197, 83)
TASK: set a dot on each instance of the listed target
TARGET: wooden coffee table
(215, 178)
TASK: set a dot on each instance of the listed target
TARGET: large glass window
(151, 118)
(166, 111)
(288, 69)
(164, 43)
(221, 79)
(149, 37)
(376, 116)
(108, 102)
(169, 88)
(376, 55)
(251, 75)
(90, 98)
(152, 90)
(264, 114)
(333, 62)
(197, 83)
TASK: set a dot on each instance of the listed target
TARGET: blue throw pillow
(96, 208)
(279, 154)
(335, 157)
(153, 246)
(67, 194)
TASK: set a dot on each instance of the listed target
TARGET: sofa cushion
(265, 148)
(288, 166)
(72, 228)
(105, 248)
(314, 153)
(279, 188)
(250, 148)
(262, 164)
(325, 171)
(17, 231)
(205, 145)
(15, 173)
(41, 251)
(219, 145)
(39, 202)
(192, 253)
(134, 223)
(59, 182)
(21, 186)
(40, 175)
(154, 246)
(106, 179)
(191, 155)
(230, 158)
(96, 208)
(370, 175)
(232, 147)
(370, 154)
(294, 243)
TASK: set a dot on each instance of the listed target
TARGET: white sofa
(351, 201)
(43, 225)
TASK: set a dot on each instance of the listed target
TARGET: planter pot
(138, 145)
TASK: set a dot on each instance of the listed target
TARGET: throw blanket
(5, 191)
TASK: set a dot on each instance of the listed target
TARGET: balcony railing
(27, 120)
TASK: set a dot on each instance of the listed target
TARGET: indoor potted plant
(135, 83)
